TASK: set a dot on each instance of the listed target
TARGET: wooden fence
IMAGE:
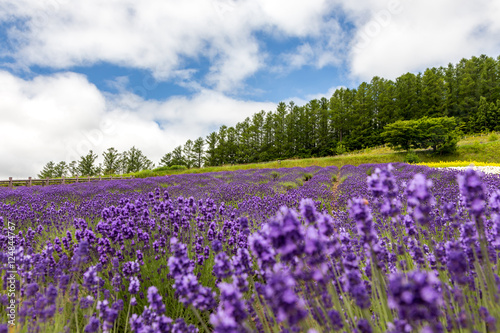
(54, 181)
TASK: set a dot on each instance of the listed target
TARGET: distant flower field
(374, 248)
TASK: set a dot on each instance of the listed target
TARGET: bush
(306, 177)
(412, 157)
(493, 137)
(275, 175)
(177, 167)
(145, 174)
(162, 168)
(340, 149)
(290, 185)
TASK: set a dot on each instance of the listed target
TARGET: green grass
(478, 148)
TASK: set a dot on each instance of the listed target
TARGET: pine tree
(61, 169)
(187, 151)
(177, 157)
(166, 160)
(86, 164)
(198, 152)
(47, 171)
(111, 161)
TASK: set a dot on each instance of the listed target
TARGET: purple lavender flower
(336, 320)
(308, 210)
(286, 234)
(231, 311)
(473, 191)
(134, 285)
(262, 250)
(93, 325)
(364, 326)
(155, 300)
(222, 266)
(32, 289)
(280, 296)
(420, 199)
(361, 214)
(415, 297)
(382, 183)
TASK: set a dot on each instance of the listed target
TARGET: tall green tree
(407, 96)
(60, 169)
(86, 165)
(111, 163)
(211, 157)
(166, 160)
(73, 168)
(134, 161)
(47, 171)
(177, 156)
(198, 152)
(433, 93)
(187, 151)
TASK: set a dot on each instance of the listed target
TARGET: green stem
(197, 314)
(128, 313)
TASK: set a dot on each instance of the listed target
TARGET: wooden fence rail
(54, 181)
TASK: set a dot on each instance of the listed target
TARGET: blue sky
(78, 75)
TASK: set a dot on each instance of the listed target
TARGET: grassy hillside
(480, 148)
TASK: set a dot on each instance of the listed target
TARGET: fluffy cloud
(161, 36)
(399, 36)
(62, 117)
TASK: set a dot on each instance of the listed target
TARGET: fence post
(47, 184)
(89, 179)
(29, 182)
(76, 179)
(10, 182)
(62, 180)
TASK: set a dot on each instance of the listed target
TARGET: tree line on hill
(132, 160)
(465, 98)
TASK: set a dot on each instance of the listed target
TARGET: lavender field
(374, 248)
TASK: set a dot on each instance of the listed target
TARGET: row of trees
(468, 92)
(132, 160)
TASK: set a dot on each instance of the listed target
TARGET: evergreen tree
(198, 152)
(187, 151)
(47, 171)
(111, 161)
(166, 160)
(177, 157)
(86, 165)
(407, 99)
(60, 169)
(134, 160)
(73, 168)
(211, 157)
(433, 92)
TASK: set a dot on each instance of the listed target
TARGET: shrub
(289, 185)
(412, 157)
(340, 149)
(306, 176)
(162, 168)
(275, 175)
(178, 167)
(493, 137)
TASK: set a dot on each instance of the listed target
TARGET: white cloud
(160, 35)
(399, 36)
(62, 117)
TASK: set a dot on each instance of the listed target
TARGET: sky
(80, 75)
